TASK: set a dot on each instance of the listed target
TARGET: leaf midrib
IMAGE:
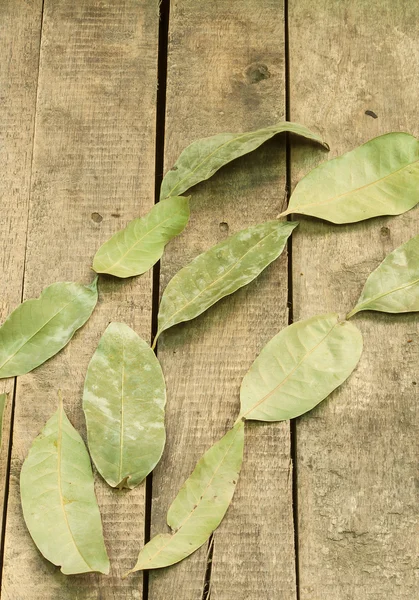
(59, 449)
(40, 329)
(172, 537)
(354, 191)
(121, 421)
(163, 327)
(380, 296)
(277, 387)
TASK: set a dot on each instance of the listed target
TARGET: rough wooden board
(93, 172)
(218, 53)
(357, 453)
(20, 25)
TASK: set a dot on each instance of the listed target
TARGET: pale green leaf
(380, 177)
(300, 367)
(124, 398)
(135, 249)
(58, 499)
(394, 286)
(200, 505)
(3, 398)
(39, 328)
(221, 271)
(203, 158)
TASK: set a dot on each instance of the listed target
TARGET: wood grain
(93, 171)
(226, 73)
(20, 25)
(358, 452)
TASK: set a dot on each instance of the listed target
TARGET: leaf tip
(93, 286)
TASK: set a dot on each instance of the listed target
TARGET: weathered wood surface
(20, 25)
(226, 73)
(358, 452)
(93, 171)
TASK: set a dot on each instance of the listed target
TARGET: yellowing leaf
(203, 158)
(41, 327)
(394, 285)
(300, 367)
(135, 249)
(200, 505)
(58, 499)
(123, 400)
(221, 271)
(380, 177)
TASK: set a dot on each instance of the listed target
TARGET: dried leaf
(380, 177)
(200, 505)
(124, 399)
(394, 286)
(39, 328)
(221, 271)
(203, 158)
(300, 367)
(135, 249)
(58, 499)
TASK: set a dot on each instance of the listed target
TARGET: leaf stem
(153, 345)
(352, 313)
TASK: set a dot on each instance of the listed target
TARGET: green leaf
(299, 368)
(58, 499)
(124, 398)
(3, 398)
(39, 328)
(200, 505)
(221, 271)
(380, 177)
(394, 286)
(135, 249)
(203, 158)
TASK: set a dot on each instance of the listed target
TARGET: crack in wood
(206, 591)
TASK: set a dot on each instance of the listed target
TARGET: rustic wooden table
(327, 508)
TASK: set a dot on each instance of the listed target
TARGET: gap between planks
(290, 299)
(164, 16)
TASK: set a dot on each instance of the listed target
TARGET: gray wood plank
(358, 452)
(226, 73)
(93, 172)
(20, 25)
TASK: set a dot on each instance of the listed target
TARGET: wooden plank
(93, 172)
(358, 452)
(20, 25)
(226, 73)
